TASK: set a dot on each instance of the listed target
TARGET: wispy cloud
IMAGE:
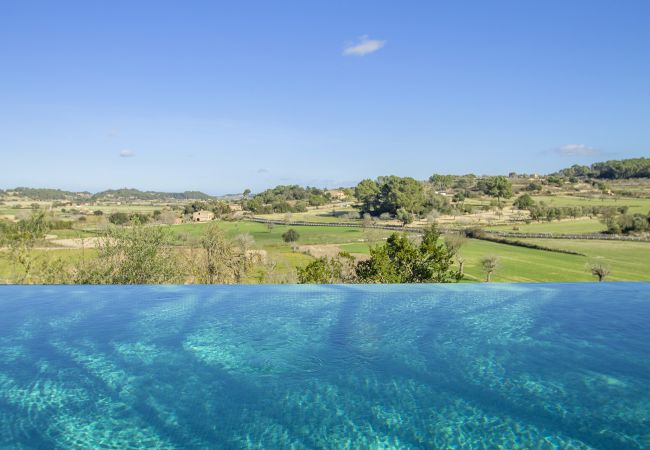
(363, 46)
(262, 170)
(126, 153)
(577, 150)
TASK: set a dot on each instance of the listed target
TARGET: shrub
(118, 218)
(290, 235)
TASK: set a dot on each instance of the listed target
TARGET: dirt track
(90, 242)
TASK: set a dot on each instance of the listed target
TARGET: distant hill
(47, 194)
(136, 194)
(125, 194)
(615, 169)
(230, 197)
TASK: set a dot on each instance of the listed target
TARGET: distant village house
(336, 194)
(202, 216)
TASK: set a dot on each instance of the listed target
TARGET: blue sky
(220, 96)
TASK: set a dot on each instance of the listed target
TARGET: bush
(328, 270)
(137, 255)
(399, 260)
(118, 218)
(524, 201)
(533, 186)
(290, 235)
(475, 232)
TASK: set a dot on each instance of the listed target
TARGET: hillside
(45, 194)
(126, 194)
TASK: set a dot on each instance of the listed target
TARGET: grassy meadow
(627, 260)
(567, 226)
(636, 205)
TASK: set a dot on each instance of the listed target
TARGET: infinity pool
(429, 366)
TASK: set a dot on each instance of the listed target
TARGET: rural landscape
(325, 225)
(581, 223)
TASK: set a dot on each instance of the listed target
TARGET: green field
(129, 208)
(72, 233)
(264, 237)
(279, 251)
(323, 214)
(564, 226)
(628, 260)
(636, 205)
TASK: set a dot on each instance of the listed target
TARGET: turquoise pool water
(464, 366)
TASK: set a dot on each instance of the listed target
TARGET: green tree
(219, 254)
(388, 194)
(454, 243)
(489, 264)
(20, 239)
(524, 201)
(119, 218)
(600, 269)
(134, 255)
(400, 260)
(401, 192)
(242, 262)
(290, 235)
(367, 192)
(533, 186)
(441, 181)
(499, 187)
(328, 270)
(404, 216)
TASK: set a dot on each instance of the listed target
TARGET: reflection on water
(529, 366)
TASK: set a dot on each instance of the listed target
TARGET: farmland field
(636, 205)
(327, 214)
(628, 260)
(564, 226)
(263, 236)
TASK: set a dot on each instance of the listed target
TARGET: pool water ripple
(430, 366)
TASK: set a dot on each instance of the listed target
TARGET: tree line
(399, 260)
(285, 198)
(616, 218)
(611, 170)
(407, 198)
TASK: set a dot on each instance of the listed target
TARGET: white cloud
(263, 171)
(577, 150)
(126, 153)
(363, 46)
